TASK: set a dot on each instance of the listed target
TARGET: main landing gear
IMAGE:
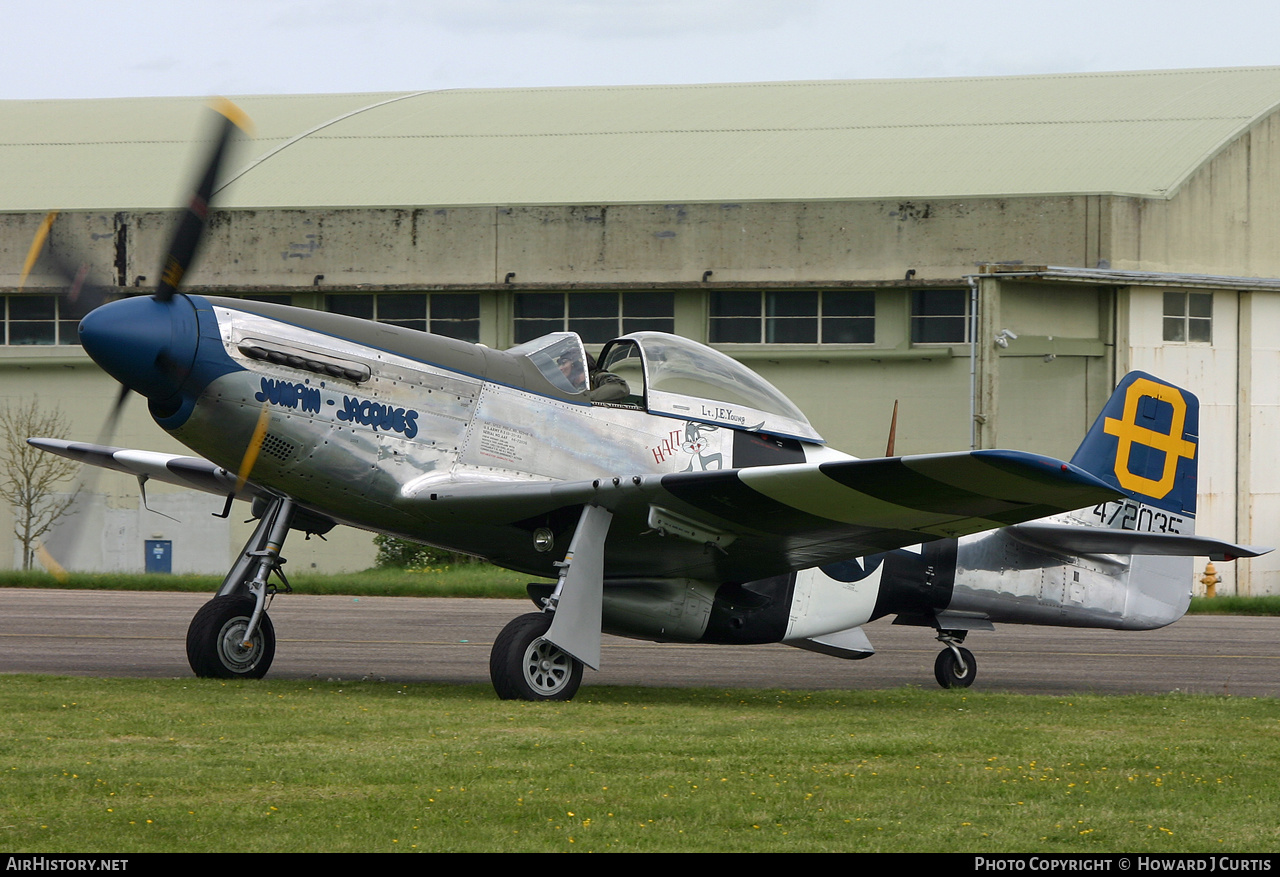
(231, 636)
(955, 667)
(525, 666)
(540, 656)
(219, 644)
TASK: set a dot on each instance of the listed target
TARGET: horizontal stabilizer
(1068, 539)
(851, 644)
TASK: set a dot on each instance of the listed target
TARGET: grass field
(121, 765)
(125, 765)
(460, 580)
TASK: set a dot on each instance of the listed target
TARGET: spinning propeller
(147, 343)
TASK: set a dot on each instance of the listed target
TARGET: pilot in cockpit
(571, 367)
(604, 386)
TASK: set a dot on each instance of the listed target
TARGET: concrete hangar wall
(849, 240)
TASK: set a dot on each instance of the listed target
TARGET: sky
(138, 48)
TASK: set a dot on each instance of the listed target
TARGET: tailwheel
(524, 666)
(215, 640)
(955, 667)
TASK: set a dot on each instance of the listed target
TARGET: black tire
(215, 634)
(524, 666)
(946, 669)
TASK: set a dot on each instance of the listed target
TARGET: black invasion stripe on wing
(725, 496)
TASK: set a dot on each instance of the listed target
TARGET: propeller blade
(55, 569)
(83, 296)
(108, 431)
(255, 445)
(82, 293)
(185, 243)
(72, 533)
(37, 244)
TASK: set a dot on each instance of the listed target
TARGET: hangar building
(992, 253)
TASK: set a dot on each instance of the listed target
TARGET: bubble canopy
(685, 379)
(560, 357)
(674, 377)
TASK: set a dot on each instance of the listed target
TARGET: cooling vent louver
(278, 447)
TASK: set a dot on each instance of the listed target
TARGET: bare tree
(31, 480)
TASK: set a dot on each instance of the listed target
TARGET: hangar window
(1188, 316)
(793, 316)
(454, 315)
(939, 316)
(596, 316)
(37, 319)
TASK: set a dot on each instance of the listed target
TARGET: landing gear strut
(231, 636)
(540, 656)
(955, 667)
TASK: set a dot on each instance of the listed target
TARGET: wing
(191, 472)
(746, 524)
(730, 525)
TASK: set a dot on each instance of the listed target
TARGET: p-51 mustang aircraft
(671, 493)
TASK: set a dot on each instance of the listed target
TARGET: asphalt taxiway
(405, 639)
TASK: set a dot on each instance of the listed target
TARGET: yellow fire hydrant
(1210, 580)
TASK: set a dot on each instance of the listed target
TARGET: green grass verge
(462, 580)
(1235, 606)
(129, 765)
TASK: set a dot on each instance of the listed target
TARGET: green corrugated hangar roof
(1139, 133)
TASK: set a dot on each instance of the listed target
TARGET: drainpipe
(973, 362)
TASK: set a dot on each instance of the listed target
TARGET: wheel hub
(524, 665)
(232, 648)
(547, 668)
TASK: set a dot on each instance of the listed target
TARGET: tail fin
(1145, 444)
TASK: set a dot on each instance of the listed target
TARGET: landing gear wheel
(524, 666)
(215, 640)
(950, 674)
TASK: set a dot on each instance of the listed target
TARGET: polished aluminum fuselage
(1004, 579)
(369, 454)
